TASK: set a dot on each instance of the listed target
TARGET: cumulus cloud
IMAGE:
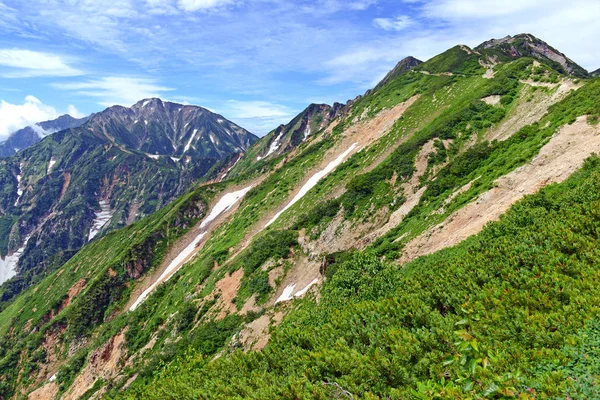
(17, 116)
(113, 90)
(393, 24)
(20, 63)
(74, 112)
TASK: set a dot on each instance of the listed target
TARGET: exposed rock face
(79, 183)
(403, 66)
(286, 137)
(527, 45)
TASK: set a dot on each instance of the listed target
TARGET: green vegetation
(503, 325)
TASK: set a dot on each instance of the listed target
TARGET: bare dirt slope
(556, 161)
(530, 108)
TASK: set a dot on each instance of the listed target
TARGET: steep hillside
(122, 164)
(325, 269)
(30, 135)
(526, 45)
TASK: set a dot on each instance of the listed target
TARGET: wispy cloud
(258, 117)
(394, 24)
(112, 90)
(203, 5)
(20, 63)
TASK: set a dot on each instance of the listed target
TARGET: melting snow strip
(189, 143)
(102, 217)
(275, 144)
(8, 264)
(313, 181)
(224, 204)
(51, 164)
(288, 293)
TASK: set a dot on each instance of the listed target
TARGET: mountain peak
(406, 64)
(527, 45)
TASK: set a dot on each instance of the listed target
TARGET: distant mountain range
(30, 135)
(120, 165)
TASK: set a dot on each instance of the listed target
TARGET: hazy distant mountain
(30, 135)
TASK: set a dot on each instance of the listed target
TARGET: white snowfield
(314, 180)
(8, 264)
(275, 145)
(170, 270)
(102, 217)
(189, 143)
(307, 131)
(19, 190)
(51, 164)
(224, 204)
(288, 293)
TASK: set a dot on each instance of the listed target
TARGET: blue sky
(257, 62)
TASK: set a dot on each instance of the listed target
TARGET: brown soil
(66, 183)
(528, 112)
(255, 335)
(103, 363)
(182, 243)
(228, 288)
(556, 161)
(46, 392)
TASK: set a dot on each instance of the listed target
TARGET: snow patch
(313, 180)
(230, 168)
(8, 264)
(52, 378)
(175, 159)
(224, 204)
(16, 149)
(102, 217)
(307, 131)
(135, 122)
(275, 144)
(145, 103)
(189, 143)
(170, 270)
(146, 122)
(287, 294)
(51, 164)
(219, 120)
(153, 156)
(228, 200)
(19, 189)
(258, 158)
(302, 292)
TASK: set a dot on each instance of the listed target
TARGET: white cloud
(113, 90)
(74, 112)
(259, 117)
(203, 5)
(20, 63)
(394, 24)
(450, 22)
(17, 116)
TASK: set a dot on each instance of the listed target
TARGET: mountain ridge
(121, 164)
(30, 135)
(306, 259)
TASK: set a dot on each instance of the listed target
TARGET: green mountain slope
(122, 164)
(328, 269)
